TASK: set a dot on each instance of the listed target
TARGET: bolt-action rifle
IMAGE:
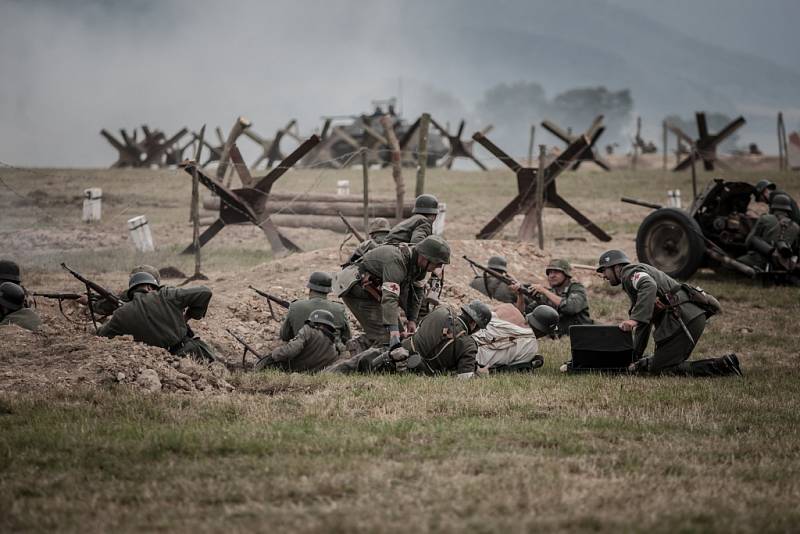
(247, 347)
(525, 289)
(350, 227)
(97, 288)
(270, 299)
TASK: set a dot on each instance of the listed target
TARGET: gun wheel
(670, 240)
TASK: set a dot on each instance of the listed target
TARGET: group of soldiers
(384, 285)
(772, 244)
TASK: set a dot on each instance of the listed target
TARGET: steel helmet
(322, 317)
(498, 263)
(560, 265)
(780, 202)
(764, 184)
(9, 271)
(426, 204)
(610, 258)
(379, 226)
(320, 282)
(147, 269)
(478, 312)
(139, 279)
(12, 296)
(543, 318)
(434, 248)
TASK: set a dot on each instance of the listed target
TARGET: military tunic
(299, 311)
(795, 209)
(444, 343)
(310, 350)
(24, 317)
(411, 230)
(366, 246)
(493, 288)
(395, 276)
(573, 309)
(644, 285)
(769, 229)
(157, 318)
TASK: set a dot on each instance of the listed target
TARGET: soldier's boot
(640, 366)
(732, 362)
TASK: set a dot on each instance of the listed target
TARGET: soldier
(387, 279)
(442, 344)
(419, 225)
(491, 286)
(104, 306)
(772, 243)
(506, 346)
(9, 272)
(674, 310)
(13, 310)
(312, 349)
(157, 316)
(566, 296)
(766, 191)
(378, 229)
(319, 285)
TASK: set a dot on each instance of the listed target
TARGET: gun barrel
(277, 300)
(59, 296)
(97, 288)
(350, 227)
(641, 203)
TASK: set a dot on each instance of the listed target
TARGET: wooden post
(397, 167)
(783, 155)
(196, 207)
(694, 174)
(238, 127)
(540, 195)
(365, 172)
(635, 158)
(664, 139)
(530, 145)
(422, 152)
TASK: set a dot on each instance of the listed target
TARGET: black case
(600, 348)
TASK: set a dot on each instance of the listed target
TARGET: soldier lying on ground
(387, 279)
(419, 225)
(506, 346)
(773, 241)
(766, 191)
(9, 272)
(378, 229)
(104, 306)
(566, 296)
(491, 286)
(677, 311)
(157, 316)
(319, 285)
(13, 310)
(442, 344)
(312, 349)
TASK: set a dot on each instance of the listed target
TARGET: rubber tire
(694, 235)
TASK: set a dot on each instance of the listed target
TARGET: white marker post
(140, 234)
(343, 187)
(438, 223)
(92, 204)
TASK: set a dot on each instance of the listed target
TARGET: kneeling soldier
(319, 285)
(13, 310)
(157, 316)
(674, 310)
(312, 349)
(418, 226)
(491, 286)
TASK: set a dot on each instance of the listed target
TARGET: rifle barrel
(641, 203)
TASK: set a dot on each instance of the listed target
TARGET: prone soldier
(157, 316)
(442, 344)
(492, 287)
(378, 228)
(13, 310)
(505, 346)
(104, 306)
(387, 279)
(418, 226)
(10, 272)
(312, 349)
(773, 240)
(319, 285)
(678, 313)
(565, 295)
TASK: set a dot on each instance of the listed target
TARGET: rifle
(58, 296)
(350, 227)
(97, 288)
(270, 299)
(247, 347)
(525, 289)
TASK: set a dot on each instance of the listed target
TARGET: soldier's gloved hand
(411, 327)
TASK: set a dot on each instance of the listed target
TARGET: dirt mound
(54, 357)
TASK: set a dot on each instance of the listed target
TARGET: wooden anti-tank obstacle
(525, 201)
(592, 135)
(154, 149)
(705, 147)
(459, 148)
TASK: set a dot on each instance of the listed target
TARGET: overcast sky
(70, 68)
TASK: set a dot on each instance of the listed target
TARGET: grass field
(534, 452)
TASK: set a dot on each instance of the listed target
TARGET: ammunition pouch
(705, 301)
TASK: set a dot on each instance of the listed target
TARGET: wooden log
(236, 130)
(212, 203)
(330, 209)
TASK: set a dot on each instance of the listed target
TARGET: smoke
(71, 68)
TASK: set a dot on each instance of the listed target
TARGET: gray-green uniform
(795, 212)
(645, 284)
(411, 230)
(299, 311)
(310, 350)
(393, 274)
(573, 309)
(770, 229)
(364, 247)
(158, 319)
(24, 317)
(493, 288)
